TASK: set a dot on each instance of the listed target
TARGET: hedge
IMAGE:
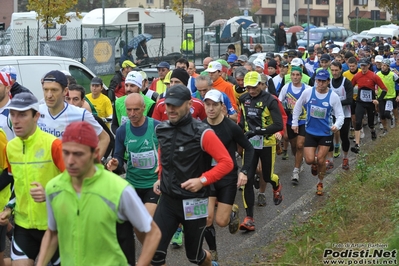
(366, 24)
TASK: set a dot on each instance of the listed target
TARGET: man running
(224, 190)
(184, 183)
(320, 102)
(85, 204)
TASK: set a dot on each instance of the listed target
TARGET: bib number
(318, 112)
(143, 160)
(389, 106)
(366, 96)
(195, 208)
(257, 142)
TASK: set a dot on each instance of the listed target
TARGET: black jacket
(18, 88)
(182, 157)
(281, 37)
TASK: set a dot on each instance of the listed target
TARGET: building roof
(264, 11)
(367, 14)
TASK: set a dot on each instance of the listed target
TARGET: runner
(320, 103)
(344, 89)
(184, 143)
(260, 118)
(366, 99)
(56, 114)
(99, 196)
(5, 87)
(5, 193)
(224, 190)
(38, 153)
(289, 95)
(101, 103)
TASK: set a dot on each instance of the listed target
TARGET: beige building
(321, 12)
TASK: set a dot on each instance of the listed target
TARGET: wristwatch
(203, 180)
(245, 172)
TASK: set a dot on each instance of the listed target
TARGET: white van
(30, 70)
(385, 32)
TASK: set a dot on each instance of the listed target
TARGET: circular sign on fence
(102, 52)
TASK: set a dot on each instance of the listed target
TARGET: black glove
(249, 134)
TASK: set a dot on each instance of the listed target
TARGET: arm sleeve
(230, 94)
(283, 115)
(349, 93)
(212, 145)
(51, 223)
(155, 114)
(5, 179)
(282, 93)
(132, 209)
(113, 83)
(298, 106)
(88, 117)
(270, 87)
(56, 152)
(108, 108)
(151, 111)
(240, 139)
(277, 118)
(114, 124)
(120, 145)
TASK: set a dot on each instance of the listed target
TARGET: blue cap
(56, 76)
(322, 75)
(232, 58)
(163, 64)
(281, 24)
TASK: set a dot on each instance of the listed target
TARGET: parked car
(316, 35)
(267, 42)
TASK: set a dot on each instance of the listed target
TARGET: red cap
(81, 132)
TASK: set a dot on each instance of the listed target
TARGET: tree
(391, 6)
(52, 10)
(218, 9)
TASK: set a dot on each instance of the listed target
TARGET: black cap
(177, 95)
(96, 81)
(272, 63)
(325, 57)
(269, 55)
(56, 76)
(348, 55)
(366, 48)
(292, 52)
(364, 61)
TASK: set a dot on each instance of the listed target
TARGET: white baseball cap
(296, 62)
(214, 66)
(259, 63)
(214, 95)
(135, 78)
(378, 59)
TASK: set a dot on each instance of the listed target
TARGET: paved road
(298, 201)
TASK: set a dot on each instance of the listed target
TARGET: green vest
(142, 156)
(389, 83)
(120, 108)
(305, 78)
(31, 160)
(86, 224)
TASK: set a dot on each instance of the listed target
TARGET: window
(321, 2)
(63, 30)
(310, 2)
(188, 18)
(82, 77)
(360, 2)
(286, 13)
(376, 3)
(272, 1)
(150, 2)
(133, 16)
(155, 29)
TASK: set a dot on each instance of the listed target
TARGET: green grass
(361, 207)
(107, 79)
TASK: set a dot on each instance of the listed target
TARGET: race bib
(366, 95)
(124, 119)
(257, 142)
(195, 208)
(318, 112)
(389, 106)
(143, 160)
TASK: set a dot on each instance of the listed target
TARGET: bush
(366, 24)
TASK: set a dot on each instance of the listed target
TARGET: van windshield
(313, 36)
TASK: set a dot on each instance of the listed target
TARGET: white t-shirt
(56, 125)
(5, 122)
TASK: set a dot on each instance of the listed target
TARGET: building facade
(321, 12)
(7, 8)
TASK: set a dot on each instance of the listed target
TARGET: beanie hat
(181, 75)
(272, 63)
(296, 68)
(80, 132)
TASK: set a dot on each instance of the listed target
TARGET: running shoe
(261, 199)
(356, 149)
(214, 263)
(319, 190)
(285, 155)
(345, 164)
(177, 239)
(352, 133)
(314, 169)
(214, 256)
(329, 165)
(295, 177)
(234, 223)
(384, 133)
(277, 196)
(256, 181)
(337, 151)
(362, 133)
(373, 135)
(248, 224)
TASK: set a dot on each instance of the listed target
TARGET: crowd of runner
(185, 144)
